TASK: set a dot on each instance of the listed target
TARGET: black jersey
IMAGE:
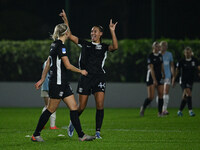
(187, 69)
(92, 56)
(156, 60)
(58, 72)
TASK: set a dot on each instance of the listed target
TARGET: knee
(100, 105)
(51, 109)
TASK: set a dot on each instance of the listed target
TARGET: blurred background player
(154, 79)
(45, 96)
(169, 73)
(92, 58)
(187, 67)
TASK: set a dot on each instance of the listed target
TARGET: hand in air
(112, 25)
(63, 15)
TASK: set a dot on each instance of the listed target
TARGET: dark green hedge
(22, 60)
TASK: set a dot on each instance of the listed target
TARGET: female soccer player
(154, 79)
(187, 68)
(59, 88)
(169, 73)
(92, 58)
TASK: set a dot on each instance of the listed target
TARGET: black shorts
(91, 83)
(159, 80)
(185, 85)
(59, 91)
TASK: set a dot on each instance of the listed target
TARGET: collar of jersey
(155, 54)
(189, 59)
(95, 43)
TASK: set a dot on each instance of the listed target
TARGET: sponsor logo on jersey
(64, 50)
(99, 47)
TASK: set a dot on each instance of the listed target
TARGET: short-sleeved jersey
(156, 60)
(167, 59)
(45, 85)
(58, 72)
(187, 69)
(92, 56)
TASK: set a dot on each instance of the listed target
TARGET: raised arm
(44, 74)
(71, 36)
(114, 45)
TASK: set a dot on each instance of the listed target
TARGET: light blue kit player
(169, 74)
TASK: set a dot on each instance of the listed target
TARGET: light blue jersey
(45, 85)
(167, 59)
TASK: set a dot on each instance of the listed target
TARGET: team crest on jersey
(193, 63)
(99, 47)
(64, 50)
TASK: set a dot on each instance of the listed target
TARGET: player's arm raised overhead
(71, 36)
(114, 45)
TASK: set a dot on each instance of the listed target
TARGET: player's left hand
(112, 25)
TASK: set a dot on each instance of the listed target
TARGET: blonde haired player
(168, 63)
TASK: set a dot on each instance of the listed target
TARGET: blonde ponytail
(59, 31)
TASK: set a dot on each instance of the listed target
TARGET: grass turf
(122, 129)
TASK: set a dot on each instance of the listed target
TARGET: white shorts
(44, 93)
(167, 81)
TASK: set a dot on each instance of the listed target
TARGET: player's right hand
(38, 84)
(84, 72)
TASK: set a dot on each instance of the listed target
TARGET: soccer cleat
(141, 111)
(160, 115)
(179, 113)
(87, 138)
(165, 112)
(97, 135)
(54, 128)
(192, 114)
(70, 129)
(37, 139)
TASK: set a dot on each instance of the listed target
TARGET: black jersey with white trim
(58, 72)
(92, 56)
(156, 60)
(187, 69)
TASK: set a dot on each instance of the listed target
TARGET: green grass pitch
(122, 129)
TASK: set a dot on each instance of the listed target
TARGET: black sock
(42, 121)
(189, 101)
(99, 119)
(183, 103)
(146, 103)
(76, 122)
(160, 105)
